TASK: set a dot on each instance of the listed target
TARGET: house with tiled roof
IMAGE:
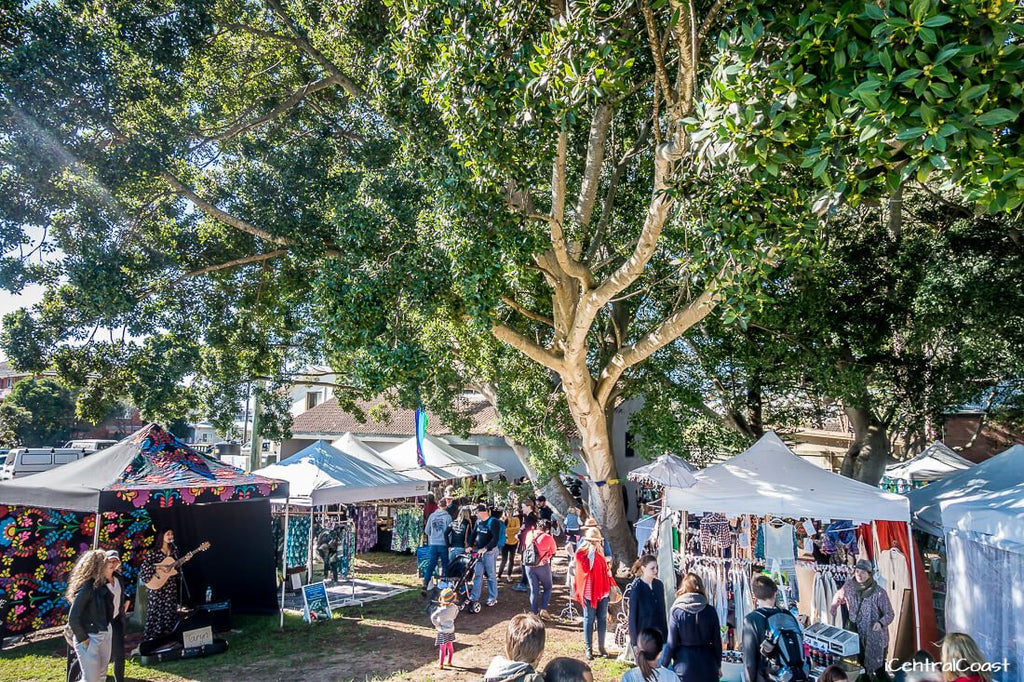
(383, 427)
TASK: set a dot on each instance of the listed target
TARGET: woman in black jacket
(92, 610)
(646, 600)
(694, 647)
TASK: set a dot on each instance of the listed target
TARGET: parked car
(90, 445)
(25, 461)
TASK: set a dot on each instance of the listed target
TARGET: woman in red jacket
(592, 584)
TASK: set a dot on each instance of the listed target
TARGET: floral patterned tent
(48, 519)
(149, 468)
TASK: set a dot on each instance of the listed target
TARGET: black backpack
(783, 647)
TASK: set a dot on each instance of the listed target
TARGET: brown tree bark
(867, 456)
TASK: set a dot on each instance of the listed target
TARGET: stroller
(459, 577)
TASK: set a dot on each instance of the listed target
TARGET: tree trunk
(867, 456)
(557, 495)
(606, 505)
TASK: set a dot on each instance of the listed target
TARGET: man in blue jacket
(485, 541)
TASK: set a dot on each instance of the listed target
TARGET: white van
(25, 461)
(90, 446)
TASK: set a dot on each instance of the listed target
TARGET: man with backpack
(773, 647)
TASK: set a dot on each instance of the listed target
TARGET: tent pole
(284, 558)
(96, 530)
(309, 549)
(913, 585)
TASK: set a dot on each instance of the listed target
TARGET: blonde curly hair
(92, 566)
(961, 656)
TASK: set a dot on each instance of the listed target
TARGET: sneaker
(544, 615)
(492, 602)
(589, 655)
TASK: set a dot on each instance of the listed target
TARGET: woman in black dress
(162, 608)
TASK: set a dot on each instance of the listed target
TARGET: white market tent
(933, 463)
(986, 499)
(769, 479)
(321, 474)
(351, 444)
(980, 512)
(442, 460)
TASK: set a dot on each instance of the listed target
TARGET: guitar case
(171, 647)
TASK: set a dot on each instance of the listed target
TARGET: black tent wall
(240, 562)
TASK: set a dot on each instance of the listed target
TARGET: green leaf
(995, 117)
(936, 21)
(911, 133)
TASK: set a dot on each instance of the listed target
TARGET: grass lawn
(387, 639)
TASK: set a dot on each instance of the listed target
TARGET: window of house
(312, 399)
(630, 452)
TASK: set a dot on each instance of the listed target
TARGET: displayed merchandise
(366, 528)
(408, 529)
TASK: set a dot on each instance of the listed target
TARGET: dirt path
(405, 649)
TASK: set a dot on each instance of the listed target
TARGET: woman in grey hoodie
(694, 647)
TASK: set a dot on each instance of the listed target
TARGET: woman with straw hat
(592, 585)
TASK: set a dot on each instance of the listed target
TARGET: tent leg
(284, 560)
(96, 530)
(913, 585)
(309, 550)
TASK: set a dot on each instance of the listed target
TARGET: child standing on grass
(443, 617)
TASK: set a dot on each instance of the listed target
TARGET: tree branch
(527, 347)
(665, 333)
(595, 159)
(708, 20)
(557, 219)
(526, 312)
(258, 258)
(660, 73)
(303, 43)
(240, 127)
(609, 197)
(217, 214)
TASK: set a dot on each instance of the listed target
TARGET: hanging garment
(839, 533)
(741, 594)
(894, 575)
(297, 552)
(722, 599)
(714, 533)
(366, 528)
(780, 546)
(642, 530)
(346, 548)
(408, 529)
(805, 579)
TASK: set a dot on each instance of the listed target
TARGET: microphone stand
(183, 590)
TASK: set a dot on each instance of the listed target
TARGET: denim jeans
(539, 578)
(95, 657)
(600, 615)
(486, 565)
(438, 553)
(454, 552)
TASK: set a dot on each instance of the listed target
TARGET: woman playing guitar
(162, 610)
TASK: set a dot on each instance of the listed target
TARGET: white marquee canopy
(770, 479)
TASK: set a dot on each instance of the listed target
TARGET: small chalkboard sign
(317, 606)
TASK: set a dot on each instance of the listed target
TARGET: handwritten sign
(200, 637)
(317, 606)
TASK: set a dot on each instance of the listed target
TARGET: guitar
(168, 568)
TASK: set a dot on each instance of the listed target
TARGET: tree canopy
(538, 200)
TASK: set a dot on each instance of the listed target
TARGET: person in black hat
(485, 541)
(121, 604)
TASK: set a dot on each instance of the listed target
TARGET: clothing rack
(705, 559)
(838, 570)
